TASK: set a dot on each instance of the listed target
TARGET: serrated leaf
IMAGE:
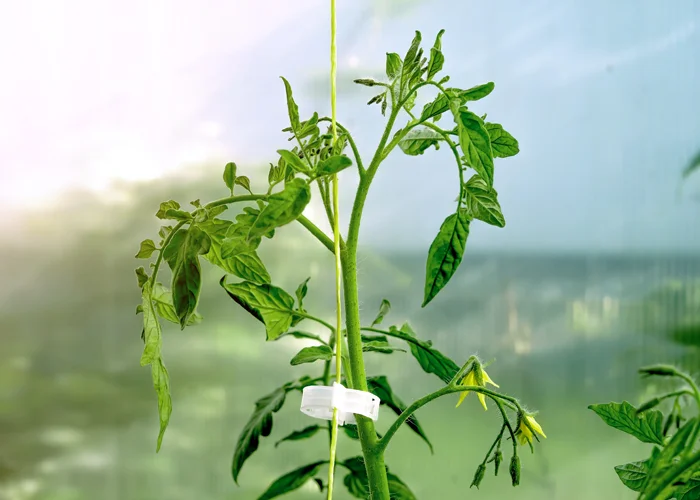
(244, 182)
(503, 144)
(441, 103)
(476, 144)
(482, 202)
(291, 481)
(165, 206)
(416, 141)
(436, 57)
(393, 65)
(269, 304)
(429, 358)
(260, 424)
(163, 300)
(282, 208)
(379, 386)
(293, 160)
(398, 490)
(623, 416)
(311, 354)
(182, 255)
(384, 309)
(301, 292)
(146, 249)
(304, 433)
(445, 254)
(332, 165)
(230, 175)
(633, 475)
(141, 276)
(213, 212)
(292, 108)
(668, 454)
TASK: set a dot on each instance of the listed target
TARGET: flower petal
(482, 398)
(461, 398)
(487, 379)
(535, 426)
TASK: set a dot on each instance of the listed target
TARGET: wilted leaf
(146, 250)
(419, 139)
(384, 309)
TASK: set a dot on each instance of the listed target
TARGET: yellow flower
(477, 376)
(524, 433)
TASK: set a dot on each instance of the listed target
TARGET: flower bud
(659, 370)
(515, 470)
(498, 458)
(648, 405)
(478, 475)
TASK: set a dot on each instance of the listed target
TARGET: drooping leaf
(419, 139)
(476, 93)
(304, 433)
(623, 416)
(291, 481)
(301, 292)
(161, 383)
(333, 165)
(165, 206)
(393, 65)
(356, 480)
(302, 335)
(311, 354)
(230, 175)
(260, 424)
(693, 165)
(436, 57)
(282, 208)
(398, 490)
(293, 160)
(633, 475)
(476, 144)
(146, 249)
(380, 346)
(379, 386)
(482, 202)
(164, 231)
(503, 144)
(163, 300)
(182, 255)
(429, 358)
(411, 61)
(141, 276)
(445, 254)
(384, 309)
(269, 304)
(292, 108)
(244, 182)
(179, 215)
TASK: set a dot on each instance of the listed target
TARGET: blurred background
(109, 107)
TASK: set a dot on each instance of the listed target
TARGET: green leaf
(693, 165)
(301, 292)
(445, 254)
(441, 103)
(384, 309)
(667, 457)
(269, 304)
(163, 300)
(482, 202)
(141, 276)
(410, 61)
(182, 255)
(213, 212)
(180, 215)
(230, 175)
(380, 346)
(379, 386)
(476, 93)
(147, 248)
(165, 206)
(302, 335)
(282, 208)
(311, 354)
(633, 475)
(398, 489)
(305, 433)
(293, 160)
(292, 107)
(416, 141)
(476, 144)
(436, 57)
(161, 383)
(356, 481)
(332, 165)
(244, 182)
(291, 481)
(503, 144)
(164, 231)
(393, 65)
(429, 358)
(367, 82)
(623, 416)
(260, 424)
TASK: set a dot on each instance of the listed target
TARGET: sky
(602, 96)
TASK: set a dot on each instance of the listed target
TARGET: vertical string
(336, 249)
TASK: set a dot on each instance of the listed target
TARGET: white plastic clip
(319, 402)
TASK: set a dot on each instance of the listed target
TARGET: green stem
(670, 477)
(234, 199)
(317, 320)
(317, 232)
(696, 428)
(351, 141)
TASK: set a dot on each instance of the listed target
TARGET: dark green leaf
(213, 212)
(623, 416)
(476, 93)
(244, 182)
(291, 481)
(305, 433)
(693, 165)
(690, 492)
(311, 354)
(379, 386)
(411, 60)
(260, 424)
(445, 254)
(633, 475)
(301, 292)
(675, 447)
(436, 57)
(141, 276)
(319, 483)
(293, 160)
(441, 103)
(292, 107)
(165, 206)
(393, 65)
(269, 304)
(282, 208)
(419, 139)
(367, 82)
(161, 383)
(182, 255)
(503, 144)
(356, 481)
(429, 358)
(476, 144)
(384, 309)
(659, 371)
(332, 165)
(163, 300)
(382, 347)
(351, 431)
(482, 202)
(230, 175)
(147, 248)
(398, 489)
(180, 215)
(302, 335)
